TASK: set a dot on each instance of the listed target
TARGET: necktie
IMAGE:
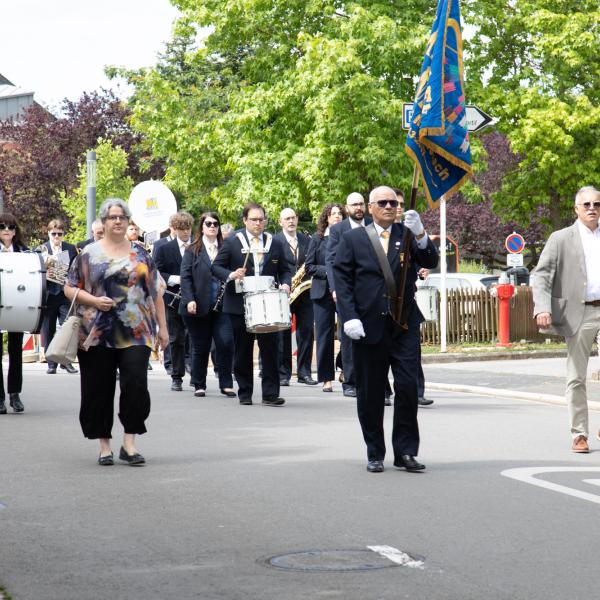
(212, 252)
(256, 244)
(5, 249)
(385, 240)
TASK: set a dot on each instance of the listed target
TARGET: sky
(59, 48)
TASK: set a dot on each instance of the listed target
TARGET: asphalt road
(227, 487)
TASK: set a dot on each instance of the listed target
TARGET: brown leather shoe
(580, 444)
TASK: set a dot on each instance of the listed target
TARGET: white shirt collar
(379, 228)
(206, 242)
(354, 224)
(585, 230)
(289, 237)
(251, 236)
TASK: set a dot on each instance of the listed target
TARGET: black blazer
(168, 262)
(230, 258)
(158, 243)
(303, 243)
(335, 234)
(315, 267)
(196, 282)
(360, 286)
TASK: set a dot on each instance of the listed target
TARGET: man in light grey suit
(566, 296)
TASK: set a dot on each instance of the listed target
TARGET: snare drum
(267, 311)
(22, 291)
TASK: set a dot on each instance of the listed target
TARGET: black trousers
(243, 363)
(401, 351)
(305, 338)
(98, 368)
(324, 311)
(57, 307)
(347, 360)
(202, 331)
(14, 381)
(176, 344)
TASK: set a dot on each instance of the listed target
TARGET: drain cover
(341, 560)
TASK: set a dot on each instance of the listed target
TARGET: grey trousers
(579, 347)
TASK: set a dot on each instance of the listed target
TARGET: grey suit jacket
(560, 281)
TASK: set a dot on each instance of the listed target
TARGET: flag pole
(443, 269)
(401, 318)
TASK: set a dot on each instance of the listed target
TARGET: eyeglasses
(211, 223)
(258, 220)
(58, 233)
(588, 205)
(4, 226)
(117, 218)
(385, 203)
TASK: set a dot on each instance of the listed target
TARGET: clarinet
(218, 304)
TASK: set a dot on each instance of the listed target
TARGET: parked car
(476, 281)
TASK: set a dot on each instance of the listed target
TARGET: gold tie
(5, 249)
(256, 244)
(385, 240)
(294, 246)
(212, 252)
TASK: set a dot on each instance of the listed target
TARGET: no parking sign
(514, 243)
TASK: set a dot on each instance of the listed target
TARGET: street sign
(515, 243)
(476, 118)
(514, 260)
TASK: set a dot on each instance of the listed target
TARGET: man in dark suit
(229, 266)
(367, 306)
(168, 261)
(295, 246)
(97, 234)
(57, 305)
(355, 209)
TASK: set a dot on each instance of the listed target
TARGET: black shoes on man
(177, 385)
(424, 401)
(69, 368)
(15, 403)
(404, 461)
(308, 380)
(375, 466)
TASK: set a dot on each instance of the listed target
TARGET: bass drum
(22, 291)
(267, 311)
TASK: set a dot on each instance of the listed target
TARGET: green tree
(111, 181)
(287, 103)
(534, 65)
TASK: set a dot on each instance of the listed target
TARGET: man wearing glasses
(367, 308)
(566, 297)
(355, 209)
(232, 264)
(56, 251)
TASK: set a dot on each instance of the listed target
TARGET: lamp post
(91, 189)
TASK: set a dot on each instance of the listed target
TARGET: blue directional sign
(514, 243)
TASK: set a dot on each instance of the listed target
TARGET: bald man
(367, 310)
(355, 209)
(295, 246)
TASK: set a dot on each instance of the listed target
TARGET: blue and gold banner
(438, 139)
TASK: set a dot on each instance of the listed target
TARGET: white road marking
(527, 475)
(397, 556)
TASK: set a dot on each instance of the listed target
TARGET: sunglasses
(211, 223)
(588, 205)
(58, 233)
(4, 226)
(385, 203)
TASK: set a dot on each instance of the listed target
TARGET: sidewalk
(536, 379)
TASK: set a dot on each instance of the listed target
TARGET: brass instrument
(299, 286)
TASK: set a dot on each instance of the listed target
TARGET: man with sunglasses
(566, 297)
(367, 272)
(57, 305)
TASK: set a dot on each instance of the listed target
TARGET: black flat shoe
(246, 401)
(2, 407)
(349, 392)
(176, 386)
(16, 403)
(106, 461)
(273, 401)
(69, 368)
(375, 466)
(424, 401)
(51, 371)
(284, 382)
(408, 462)
(135, 460)
(307, 380)
(200, 393)
(228, 393)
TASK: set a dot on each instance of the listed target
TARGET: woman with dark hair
(201, 293)
(118, 290)
(11, 240)
(323, 303)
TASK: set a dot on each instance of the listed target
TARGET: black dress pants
(98, 368)
(14, 381)
(400, 351)
(324, 311)
(347, 360)
(302, 308)
(243, 360)
(57, 307)
(176, 344)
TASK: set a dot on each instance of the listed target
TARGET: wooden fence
(472, 316)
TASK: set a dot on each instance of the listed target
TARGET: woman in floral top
(123, 315)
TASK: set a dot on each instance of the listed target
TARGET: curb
(512, 394)
(488, 356)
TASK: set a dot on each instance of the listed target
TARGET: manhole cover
(368, 559)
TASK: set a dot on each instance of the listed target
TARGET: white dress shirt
(590, 241)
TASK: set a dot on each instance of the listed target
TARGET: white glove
(354, 329)
(412, 220)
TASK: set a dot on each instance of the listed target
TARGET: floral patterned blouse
(132, 281)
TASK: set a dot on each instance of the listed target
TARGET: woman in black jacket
(200, 307)
(323, 304)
